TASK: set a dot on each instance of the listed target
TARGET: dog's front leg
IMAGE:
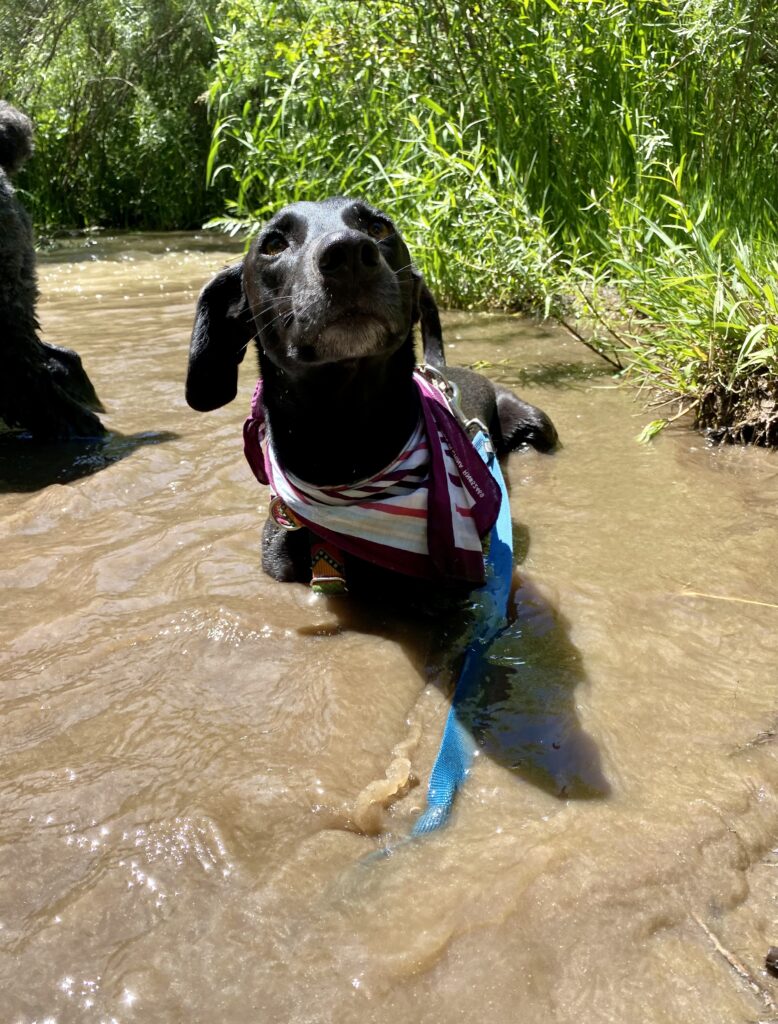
(286, 554)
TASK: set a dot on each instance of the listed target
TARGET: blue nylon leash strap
(455, 755)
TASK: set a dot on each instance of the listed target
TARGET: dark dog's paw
(522, 424)
(286, 555)
(67, 371)
(513, 423)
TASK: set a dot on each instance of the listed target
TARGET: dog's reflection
(522, 714)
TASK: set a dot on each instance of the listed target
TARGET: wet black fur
(330, 295)
(43, 388)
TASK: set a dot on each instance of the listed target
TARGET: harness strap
(423, 515)
(328, 569)
(455, 755)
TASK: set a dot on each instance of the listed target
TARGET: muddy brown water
(188, 748)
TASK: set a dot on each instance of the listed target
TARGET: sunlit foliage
(535, 148)
(619, 151)
(115, 88)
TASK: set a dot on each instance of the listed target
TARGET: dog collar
(423, 515)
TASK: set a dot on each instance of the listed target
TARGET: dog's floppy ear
(431, 331)
(222, 330)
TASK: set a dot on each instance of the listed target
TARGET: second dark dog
(330, 294)
(43, 388)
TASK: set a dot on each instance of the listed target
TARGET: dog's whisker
(286, 316)
(270, 304)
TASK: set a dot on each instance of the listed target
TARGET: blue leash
(456, 747)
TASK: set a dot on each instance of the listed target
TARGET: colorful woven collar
(423, 515)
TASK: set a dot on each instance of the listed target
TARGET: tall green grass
(310, 105)
(697, 322)
(534, 149)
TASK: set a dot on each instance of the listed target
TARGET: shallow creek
(187, 746)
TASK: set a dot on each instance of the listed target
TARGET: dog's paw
(522, 424)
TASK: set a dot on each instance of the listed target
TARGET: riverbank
(698, 337)
(693, 322)
(529, 151)
(563, 150)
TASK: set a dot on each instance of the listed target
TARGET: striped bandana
(423, 515)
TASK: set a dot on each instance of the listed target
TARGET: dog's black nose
(348, 255)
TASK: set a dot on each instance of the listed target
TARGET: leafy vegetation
(115, 89)
(697, 321)
(622, 152)
(702, 336)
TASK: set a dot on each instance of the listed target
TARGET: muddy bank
(748, 415)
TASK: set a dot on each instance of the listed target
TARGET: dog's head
(322, 283)
(16, 138)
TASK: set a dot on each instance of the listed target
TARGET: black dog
(330, 294)
(43, 388)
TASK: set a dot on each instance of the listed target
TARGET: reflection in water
(524, 716)
(522, 711)
(29, 465)
(561, 376)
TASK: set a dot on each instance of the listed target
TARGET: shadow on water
(27, 465)
(562, 376)
(523, 713)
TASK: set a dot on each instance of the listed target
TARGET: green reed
(533, 149)
(571, 105)
(699, 321)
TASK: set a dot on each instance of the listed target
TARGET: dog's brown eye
(273, 245)
(379, 230)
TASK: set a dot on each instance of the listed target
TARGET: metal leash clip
(433, 376)
(450, 391)
(283, 515)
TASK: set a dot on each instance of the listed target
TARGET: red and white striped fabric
(423, 515)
